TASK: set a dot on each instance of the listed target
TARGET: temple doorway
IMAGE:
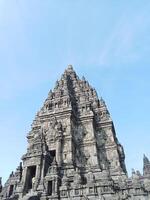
(49, 188)
(52, 154)
(31, 172)
(11, 189)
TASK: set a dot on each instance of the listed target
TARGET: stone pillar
(53, 187)
(41, 175)
(59, 148)
(37, 177)
(56, 182)
(43, 167)
(24, 177)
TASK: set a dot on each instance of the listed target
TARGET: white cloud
(121, 45)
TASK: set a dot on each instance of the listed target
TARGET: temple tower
(73, 151)
(146, 166)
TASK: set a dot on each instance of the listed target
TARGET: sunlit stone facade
(73, 152)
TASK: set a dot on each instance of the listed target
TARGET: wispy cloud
(121, 45)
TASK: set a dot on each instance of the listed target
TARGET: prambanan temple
(73, 152)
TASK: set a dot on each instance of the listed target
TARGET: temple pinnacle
(69, 68)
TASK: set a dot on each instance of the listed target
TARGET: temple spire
(146, 160)
(73, 146)
(146, 165)
(69, 67)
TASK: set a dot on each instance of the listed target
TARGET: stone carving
(73, 152)
(147, 184)
(65, 179)
(53, 167)
(77, 177)
(90, 177)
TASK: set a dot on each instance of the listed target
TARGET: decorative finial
(70, 67)
(54, 161)
(146, 160)
(146, 166)
(83, 78)
(133, 171)
(57, 84)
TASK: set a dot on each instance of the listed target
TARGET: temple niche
(73, 151)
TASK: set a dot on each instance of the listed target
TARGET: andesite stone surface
(73, 152)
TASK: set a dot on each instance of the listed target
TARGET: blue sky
(106, 41)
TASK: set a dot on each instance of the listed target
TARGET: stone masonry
(73, 152)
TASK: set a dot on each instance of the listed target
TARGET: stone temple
(73, 151)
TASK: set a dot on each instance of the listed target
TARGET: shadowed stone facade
(73, 152)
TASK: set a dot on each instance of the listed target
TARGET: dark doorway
(49, 188)
(11, 189)
(52, 154)
(31, 172)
